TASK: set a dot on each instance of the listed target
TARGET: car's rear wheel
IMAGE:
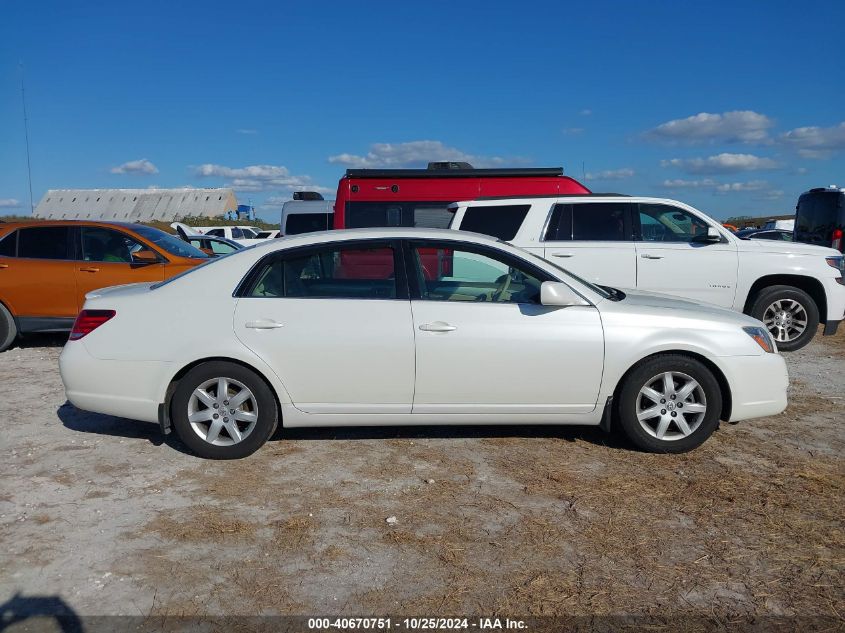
(669, 404)
(222, 410)
(789, 313)
(8, 329)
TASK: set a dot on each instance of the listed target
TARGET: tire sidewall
(268, 412)
(8, 329)
(636, 379)
(775, 293)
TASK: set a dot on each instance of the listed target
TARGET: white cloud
(246, 130)
(744, 126)
(610, 174)
(572, 131)
(724, 163)
(259, 178)
(814, 141)
(141, 166)
(751, 185)
(715, 186)
(415, 154)
(680, 183)
(9, 203)
(586, 112)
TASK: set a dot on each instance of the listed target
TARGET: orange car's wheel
(8, 329)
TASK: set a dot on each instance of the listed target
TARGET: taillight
(837, 239)
(88, 321)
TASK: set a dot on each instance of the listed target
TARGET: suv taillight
(88, 321)
(837, 239)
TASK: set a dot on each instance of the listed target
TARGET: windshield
(169, 243)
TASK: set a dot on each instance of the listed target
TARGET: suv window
(8, 245)
(298, 223)
(105, 245)
(589, 221)
(500, 221)
(237, 234)
(444, 273)
(332, 272)
(44, 242)
(665, 223)
(216, 233)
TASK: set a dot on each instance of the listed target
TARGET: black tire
(768, 296)
(630, 401)
(8, 329)
(262, 400)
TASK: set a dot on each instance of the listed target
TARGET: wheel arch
(810, 285)
(718, 374)
(164, 416)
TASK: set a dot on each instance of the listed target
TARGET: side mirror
(144, 257)
(711, 237)
(557, 293)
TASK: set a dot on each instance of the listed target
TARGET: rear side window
(237, 233)
(430, 215)
(333, 272)
(215, 232)
(600, 222)
(298, 223)
(7, 245)
(44, 242)
(502, 221)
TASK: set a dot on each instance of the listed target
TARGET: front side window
(237, 234)
(446, 274)
(430, 215)
(215, 232)
(8, 245)
(168, 242)
(105, 245)
(332, 272)
(501, 221)
(221, 248)
(665, 223)
(298, 223)
(44, 242)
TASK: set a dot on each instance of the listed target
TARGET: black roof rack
(518, 172)
(307, 195)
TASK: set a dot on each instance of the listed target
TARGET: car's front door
(334, 322)
(108, 257)
(484, 344)
(593, 240)
(674, 258)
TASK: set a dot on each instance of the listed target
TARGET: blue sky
(734, 107)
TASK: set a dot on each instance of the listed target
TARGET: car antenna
(26, 138)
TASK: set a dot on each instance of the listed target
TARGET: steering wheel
(504, 283)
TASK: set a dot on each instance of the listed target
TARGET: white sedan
(408, 326)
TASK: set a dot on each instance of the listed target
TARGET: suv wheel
(8, 329)
(222, 410)
(789, 313)
(669, 404)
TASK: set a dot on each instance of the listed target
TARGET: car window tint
(221, 248)
(462, 275)
(601, 221)
(298, 223)
(44, 242)
(215, 232)
(559, 227)
(237, 234)
(105, 245)
(665, 223)
(331, 273)
(501, 221)
(8, 245)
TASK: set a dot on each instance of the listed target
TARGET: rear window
(817, 215)
(44, 242)
(7, 245)
(502, 221)
(298, 223)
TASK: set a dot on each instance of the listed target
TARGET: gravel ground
(106, 517)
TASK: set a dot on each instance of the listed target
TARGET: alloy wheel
(671, 406)
(786, 319)
(222, 411)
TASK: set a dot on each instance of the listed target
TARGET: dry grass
(200, 524)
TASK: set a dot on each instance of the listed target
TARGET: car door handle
(263, 324)
(4, 266)
(647, 256)
(89, 270)
(438, 326)
(562, 255)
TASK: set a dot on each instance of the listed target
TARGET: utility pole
(26, 138)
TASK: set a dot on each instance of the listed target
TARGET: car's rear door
(484, 344)
(334, 323)
(593, 240)
(105, 257)
(38, 283)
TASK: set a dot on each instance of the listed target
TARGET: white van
(306, 214)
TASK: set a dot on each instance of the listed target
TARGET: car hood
(649, 302)
(787, 248)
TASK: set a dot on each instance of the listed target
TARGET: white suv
(669, 247)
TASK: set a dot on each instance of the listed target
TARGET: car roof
(17, 224)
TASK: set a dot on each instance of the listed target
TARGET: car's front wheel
(8, 329)
(669, 404)
(222, 410)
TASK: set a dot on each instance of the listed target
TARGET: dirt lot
(100, 514)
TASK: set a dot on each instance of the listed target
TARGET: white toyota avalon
(409, 326)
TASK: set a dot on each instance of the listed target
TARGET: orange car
(47, 267)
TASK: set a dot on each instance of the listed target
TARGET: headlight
(836, 262)
(762, 337)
